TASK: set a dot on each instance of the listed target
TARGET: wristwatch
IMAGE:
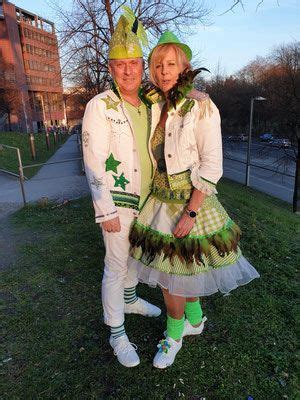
(191, 213)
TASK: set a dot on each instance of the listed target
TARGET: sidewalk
(56, 182)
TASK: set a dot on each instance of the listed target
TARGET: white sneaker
(168, 348)
(125, 351)
(192, 330)
(142, 307)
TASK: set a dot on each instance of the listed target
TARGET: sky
(231, 40)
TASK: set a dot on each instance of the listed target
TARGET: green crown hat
(170, 38)
(125, 41)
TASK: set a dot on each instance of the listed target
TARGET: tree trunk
(109, 16)
(9, 122)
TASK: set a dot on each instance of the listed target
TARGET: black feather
(183, 85)
(135, 26)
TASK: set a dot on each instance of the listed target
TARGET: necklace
(137, 108)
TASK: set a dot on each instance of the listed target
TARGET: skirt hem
(223, 279)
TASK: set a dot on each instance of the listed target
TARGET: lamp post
(258, 98)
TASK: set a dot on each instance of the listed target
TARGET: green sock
(117, 331)
(193, 312)
(175, 327)
(130, 296)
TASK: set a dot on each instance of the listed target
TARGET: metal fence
(22, 167)
(259, 166)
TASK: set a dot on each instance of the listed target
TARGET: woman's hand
(184, 226)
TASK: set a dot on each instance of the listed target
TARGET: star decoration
(96, 182)
(110, 103)
(191, 148)
(118, 134)
(120, 181)
(111, 164)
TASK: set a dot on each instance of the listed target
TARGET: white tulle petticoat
(205, 283)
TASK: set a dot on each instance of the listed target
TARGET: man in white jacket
(115, 137)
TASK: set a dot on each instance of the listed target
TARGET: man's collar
(141, 94)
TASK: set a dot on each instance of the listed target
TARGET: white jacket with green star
(193, 142)
(110, 156)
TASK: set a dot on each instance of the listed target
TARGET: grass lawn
(56, 347)
(8, 157)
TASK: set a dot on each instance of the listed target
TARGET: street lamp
(258, 98)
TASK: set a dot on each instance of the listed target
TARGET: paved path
(274, 183)
(57, 182)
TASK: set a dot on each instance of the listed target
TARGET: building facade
(31, 91)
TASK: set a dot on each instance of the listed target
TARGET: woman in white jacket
(183, 240)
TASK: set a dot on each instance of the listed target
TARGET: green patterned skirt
(204, 262)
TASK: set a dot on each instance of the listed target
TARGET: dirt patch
(12, 238)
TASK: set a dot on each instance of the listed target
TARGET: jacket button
(169, 155)
(135, 170)
(169, 134)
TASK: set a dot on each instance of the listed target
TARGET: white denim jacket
(192, 142)
(111, 157)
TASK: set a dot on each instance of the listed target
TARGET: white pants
(116, 276)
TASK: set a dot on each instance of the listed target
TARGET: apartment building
(31, 92)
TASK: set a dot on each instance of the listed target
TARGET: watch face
(193, 214)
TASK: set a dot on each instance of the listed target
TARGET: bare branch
(261, 1)
(85, 32)
(236, 2)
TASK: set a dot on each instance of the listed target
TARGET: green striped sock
(193, 312)
(117, 331)
(130, 296)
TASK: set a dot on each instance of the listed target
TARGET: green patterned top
(160, 185)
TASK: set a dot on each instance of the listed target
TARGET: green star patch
(120, 181)
(111, 164)
(110, 103)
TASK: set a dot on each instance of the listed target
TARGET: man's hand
(112, 225)
(184, 226)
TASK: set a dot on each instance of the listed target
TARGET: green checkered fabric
(177, 267)
(211, 217)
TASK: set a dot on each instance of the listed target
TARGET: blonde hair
(159, 53)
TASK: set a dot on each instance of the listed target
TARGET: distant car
(243, 138)
(281, 142)
(266, 137)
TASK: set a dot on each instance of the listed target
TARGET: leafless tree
(242, 3)
(85, 33)
(9, 105)
(9, 93)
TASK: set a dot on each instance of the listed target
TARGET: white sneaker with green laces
(142, 307)
(192, 330)
(168, 348)
(125, 351)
